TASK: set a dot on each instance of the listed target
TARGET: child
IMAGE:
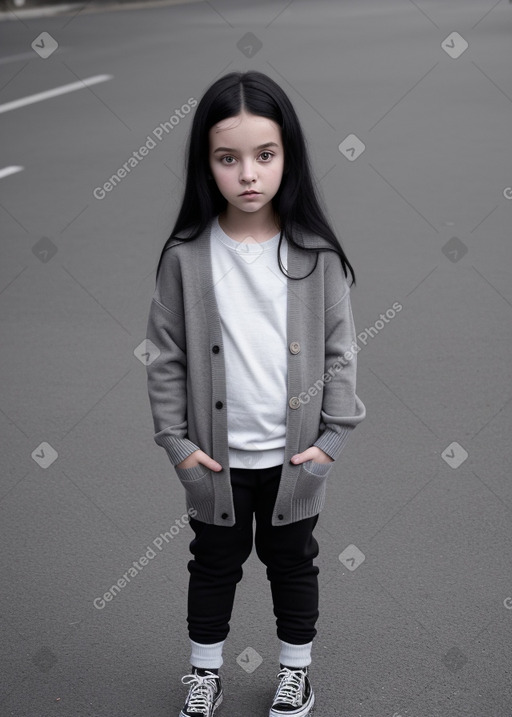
(251, 394)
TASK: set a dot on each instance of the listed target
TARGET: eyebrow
(261, 146)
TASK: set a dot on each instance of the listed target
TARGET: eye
(270, 155)
(227, 156)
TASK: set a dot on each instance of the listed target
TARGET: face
(246, 153)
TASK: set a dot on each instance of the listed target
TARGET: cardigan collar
(307, 239)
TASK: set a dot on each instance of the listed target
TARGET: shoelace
(202, 694)
(291, 686)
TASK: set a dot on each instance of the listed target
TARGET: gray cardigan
(187, 384)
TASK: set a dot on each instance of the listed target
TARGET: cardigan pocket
(197, 482)
(318, 469)
(311, 480)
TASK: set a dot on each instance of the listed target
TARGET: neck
(262, 223)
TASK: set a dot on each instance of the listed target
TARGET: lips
(244, 194)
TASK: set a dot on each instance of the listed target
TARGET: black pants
(219, 553)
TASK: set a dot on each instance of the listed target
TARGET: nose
(247, 172)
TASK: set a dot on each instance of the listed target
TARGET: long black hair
(296, 203)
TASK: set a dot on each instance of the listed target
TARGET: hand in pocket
(199, 457)
(313, 453)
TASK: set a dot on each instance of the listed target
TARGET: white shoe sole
(303, 712)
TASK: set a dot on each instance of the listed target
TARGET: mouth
(245, 194)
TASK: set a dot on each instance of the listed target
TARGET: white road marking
(6, 171)
(30, 13)
(17, 58)
(47, 94)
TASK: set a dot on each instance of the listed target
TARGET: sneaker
(294, 696)
(204, 695)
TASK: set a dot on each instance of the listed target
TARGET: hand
(199, 457)
(314, 453)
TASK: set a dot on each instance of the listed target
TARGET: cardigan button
(215, 349)
(294, 402)
(219, 404)
(224, 516)
(280, 516)
(294, 347)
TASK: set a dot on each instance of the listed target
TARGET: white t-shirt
(251, 294)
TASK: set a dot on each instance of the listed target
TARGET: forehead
(244, 129)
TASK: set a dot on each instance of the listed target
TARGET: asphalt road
(409, 130)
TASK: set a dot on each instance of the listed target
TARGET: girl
(253, 391)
